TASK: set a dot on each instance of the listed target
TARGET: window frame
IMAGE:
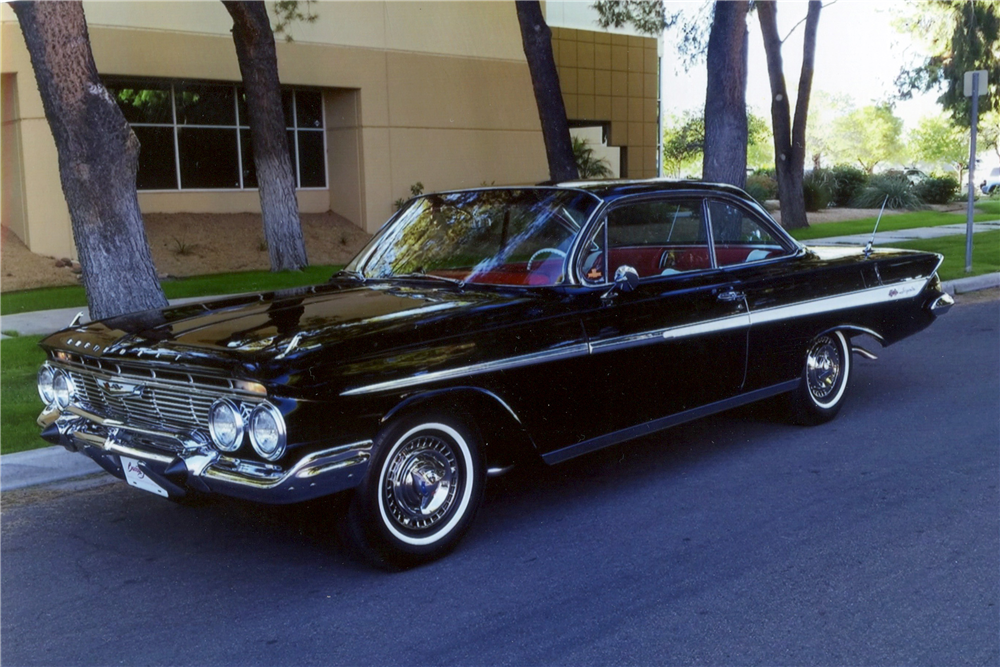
(238, 128)
(791, 247)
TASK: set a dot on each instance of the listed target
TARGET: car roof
(612, 189)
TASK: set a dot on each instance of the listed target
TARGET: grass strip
(20, 358)
(985, 253)
(889, 223)
(73, 296)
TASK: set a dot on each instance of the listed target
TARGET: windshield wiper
(431, 276)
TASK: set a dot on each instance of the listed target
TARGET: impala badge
(115, 388)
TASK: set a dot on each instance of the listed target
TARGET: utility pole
(975, 85)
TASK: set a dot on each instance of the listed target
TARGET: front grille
(161, 398)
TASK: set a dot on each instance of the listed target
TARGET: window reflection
(201, 131)
(519, 237)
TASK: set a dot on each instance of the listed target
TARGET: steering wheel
(553, 251)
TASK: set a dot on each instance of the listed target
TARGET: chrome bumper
(187, 461)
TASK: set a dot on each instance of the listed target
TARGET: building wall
(612, 80)
(432, 92)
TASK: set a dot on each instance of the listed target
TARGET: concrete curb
(49, 465)
(43, 466)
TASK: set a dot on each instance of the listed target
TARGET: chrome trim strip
(600, 442)
(905, 289)
(738, 321)
(575, 350)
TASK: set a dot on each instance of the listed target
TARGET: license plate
(135, 476)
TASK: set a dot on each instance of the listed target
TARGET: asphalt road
(737, 540)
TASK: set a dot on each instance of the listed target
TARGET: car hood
(343, 320)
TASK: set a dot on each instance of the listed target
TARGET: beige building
(378, 96)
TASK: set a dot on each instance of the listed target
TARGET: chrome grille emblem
(115, 388)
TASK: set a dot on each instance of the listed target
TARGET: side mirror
(626, 278)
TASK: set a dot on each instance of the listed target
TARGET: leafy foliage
(647, 16)
(684, 141)
(289, 12)
(869, 135)
(937, 189)
(937, 140)
(893, 186)
(816, 189)
(416, 190)
(958, 36)
(588, 165)
(762, 186)
(846, 181)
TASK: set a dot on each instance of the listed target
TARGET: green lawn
(890, 223)
(985, 253)
(991, 206)
(20, 358)
(210, 285)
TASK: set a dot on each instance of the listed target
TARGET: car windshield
(500, 237)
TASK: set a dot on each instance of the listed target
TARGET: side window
(655, 237)
(740, 237)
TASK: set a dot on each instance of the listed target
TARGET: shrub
(846, 181)
(894, 186)
(816, 189)
(936, 189)
(416, 190)
(762, 186)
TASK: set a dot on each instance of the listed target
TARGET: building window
(196, 136)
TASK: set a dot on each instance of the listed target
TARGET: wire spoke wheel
(423, 488)
(826, 371)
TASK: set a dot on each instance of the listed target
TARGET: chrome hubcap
(421, 482)
(823, 368)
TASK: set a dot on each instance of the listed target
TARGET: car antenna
(868, 246)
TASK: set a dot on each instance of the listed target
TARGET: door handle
(731, 295)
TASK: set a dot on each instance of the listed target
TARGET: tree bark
(98, 159)
(537, 40)
(258, 60)
(726, 133)
(789, 135)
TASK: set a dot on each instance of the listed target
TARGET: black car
(477, 329)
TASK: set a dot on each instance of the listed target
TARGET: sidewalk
(902, 235)
(54, 464)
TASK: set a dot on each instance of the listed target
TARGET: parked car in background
(991, 181)
(477, 330)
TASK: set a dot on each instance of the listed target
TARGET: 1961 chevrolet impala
(479, 328)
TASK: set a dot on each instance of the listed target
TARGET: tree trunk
(98, 159)
(725, 158)
(789, 137)
(537, 40)
(258, 60)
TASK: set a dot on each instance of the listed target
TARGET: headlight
(45, 377)
(62, 388)
(225, 423)
(267, 431)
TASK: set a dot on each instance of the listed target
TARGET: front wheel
(823, 385)
(421, 492)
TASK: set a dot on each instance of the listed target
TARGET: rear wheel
(823, 385)
(421, 493)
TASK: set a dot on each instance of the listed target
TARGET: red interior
(646, 260)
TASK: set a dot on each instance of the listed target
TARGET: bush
(936, 189)
(762, 186)
(846, 181)
(816, 189)
(894, 186)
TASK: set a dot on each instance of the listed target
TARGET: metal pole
(972, 173)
